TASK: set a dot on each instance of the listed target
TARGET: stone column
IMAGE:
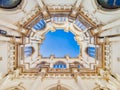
(10, 39)
(51, 65)
(75, 8)
(43, 8)
(13, 27)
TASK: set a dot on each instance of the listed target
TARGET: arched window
(9, 4)
(59, 65)
(91, 51)
(40, 25)
(109, 4)
(28, 50)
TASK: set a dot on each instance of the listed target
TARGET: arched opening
(59, 44)
(28, 51)
(58, 88)
(9, 4)
(59, 65)
(91, 51)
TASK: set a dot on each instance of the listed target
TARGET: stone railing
(12, 57)
(52, 70)
(59, 8)
(108, 56)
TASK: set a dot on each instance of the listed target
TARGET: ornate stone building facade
(95, 25)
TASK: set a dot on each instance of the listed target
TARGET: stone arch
(15, 88)
(59, 64)
(66, 87)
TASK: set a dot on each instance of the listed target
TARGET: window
(9, 4)
(40, 25)
(109, 4)
(91, 51)
(28, 50)
(59, 65)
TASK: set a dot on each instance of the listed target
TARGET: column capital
(43, 8)
(76, 8)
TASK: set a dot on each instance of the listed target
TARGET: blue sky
(59, 43)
